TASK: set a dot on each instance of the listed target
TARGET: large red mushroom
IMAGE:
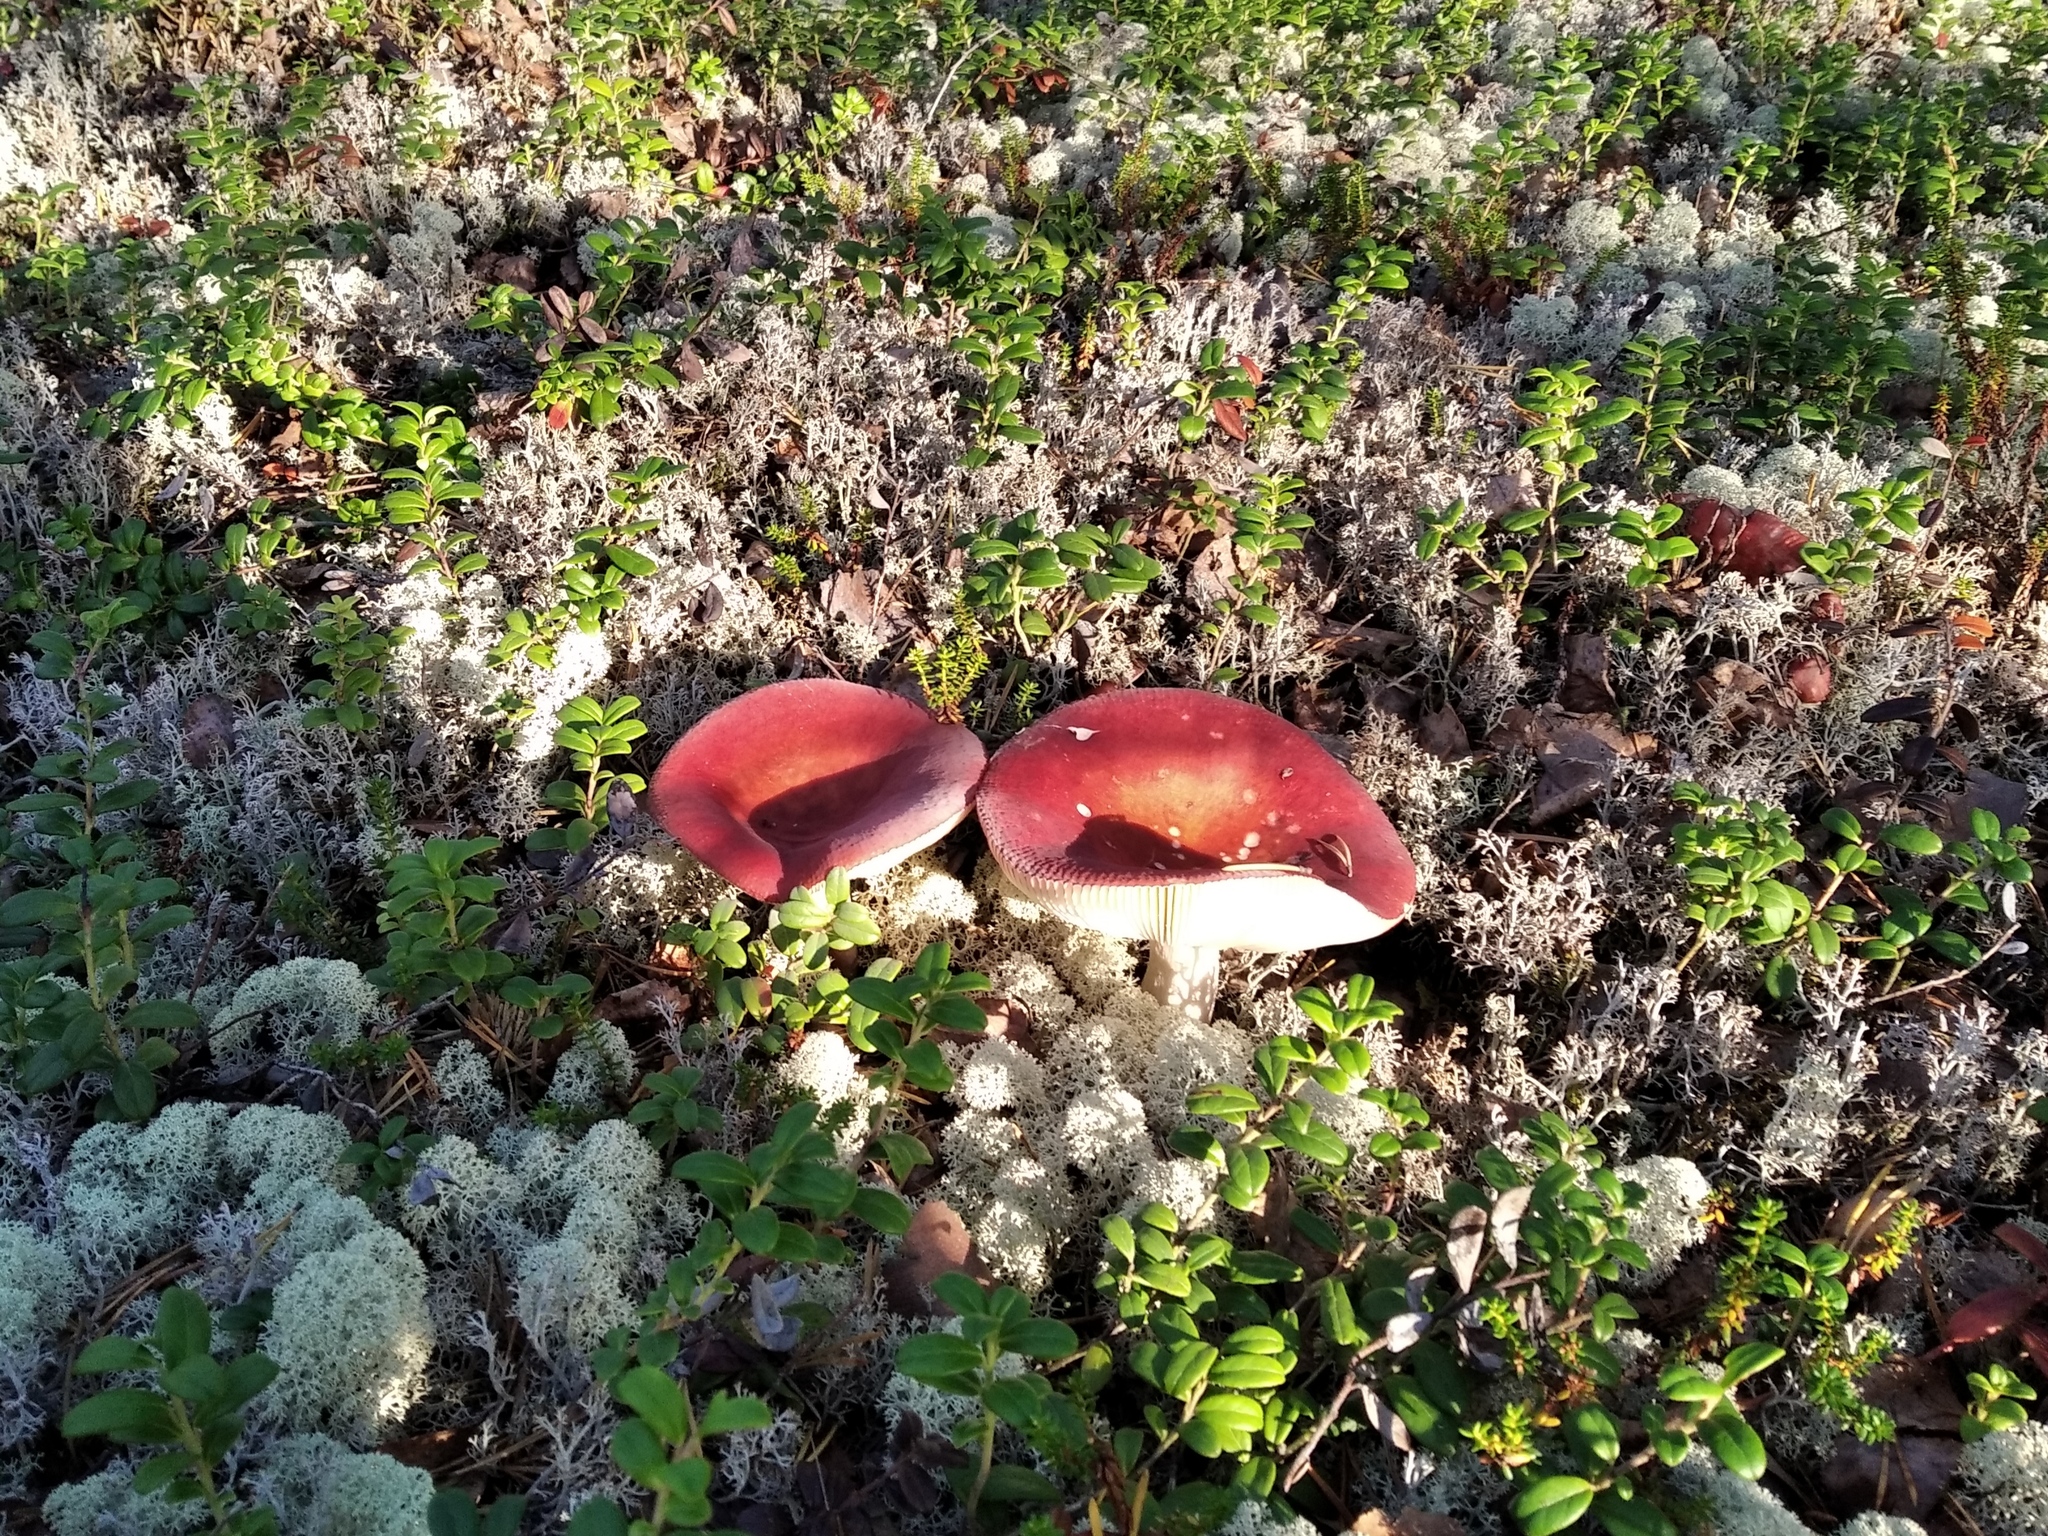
(1196, 823)
(784, 784)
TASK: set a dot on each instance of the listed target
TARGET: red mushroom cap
(1753, 544)
(1189, 819)
(1811, 679)
(783, 784)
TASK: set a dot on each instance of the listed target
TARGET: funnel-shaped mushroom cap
(783, 784)
(1195, 822)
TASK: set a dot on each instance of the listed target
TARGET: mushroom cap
(1194, 821)
(1755, 545)
(783, 784)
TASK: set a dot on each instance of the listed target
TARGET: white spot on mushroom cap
(1251, 796)
(1085, 812)
(1251, 839)
(1173, 831)
(1081, 732)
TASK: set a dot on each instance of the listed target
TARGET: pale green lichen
(351, 1335)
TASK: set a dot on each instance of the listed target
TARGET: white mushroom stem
(1183, 978)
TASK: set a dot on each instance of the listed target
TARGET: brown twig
(1941, 981)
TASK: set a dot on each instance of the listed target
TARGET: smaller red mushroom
(1194, 822)
(1811, 679)
(787, 783)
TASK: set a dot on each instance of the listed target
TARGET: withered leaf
(1584, 688)
(208, 730)
(1911, 706)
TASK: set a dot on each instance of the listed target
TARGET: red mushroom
(784, 784)
(1811, 679)
(1751, 544)
(1194, 822)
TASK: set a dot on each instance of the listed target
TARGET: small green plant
(591, 732)
(947, 673)
(1794, 1299)
(671, 1108)
(1001, 344)
(1538, 539)
(435, 914)
(193, 1406)
(97, 922)
(355, 656)
(1660, 411)
(1731, 852)
(391, 1160)
(896, 1010)
(793, 1174)
(1313, 382)
(1878, 516)
(1263, 533)
(590, 382)
(785, 979)
(660, 1446)
(1658, 551)
(992, 1324)
(1225, 390)
(444, 471)
(1037, 585)
(1995, 1398)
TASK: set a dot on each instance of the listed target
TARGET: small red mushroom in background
(1754, 545)
(787, 783)
(1194, 822)
(1811, 679)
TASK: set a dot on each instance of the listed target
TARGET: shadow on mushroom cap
(783, 784)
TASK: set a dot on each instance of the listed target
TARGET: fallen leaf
(850, 595)
(1913, 1472)
(1916, 1392)
(1989, 1314)
(1443, 734)
(644, 1001)
(1577, 753)
(1584, 688)
(2024, 1243)
(2006, 799)
(1744, 697)
(208, 733)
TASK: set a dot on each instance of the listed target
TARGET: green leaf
(1745, 1360)
(184, 1328)
(1911, 837)
(1019, 1485)
(756, 1229)
(1553, 1504)
(453, 1513)
(886, 1212)
(656, 1397)
(600, 1517)
(1040, 1338)
(942, 1360)
(126, 1415)
(1630, 1517)
(115, 1353)
(1733, 1442)
(1594, 1436)
(726, 1413)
